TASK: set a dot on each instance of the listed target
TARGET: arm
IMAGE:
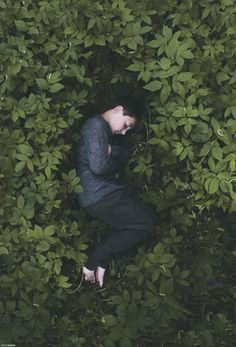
(97, 145)
(120, 149)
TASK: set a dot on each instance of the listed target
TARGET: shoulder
(93, 123)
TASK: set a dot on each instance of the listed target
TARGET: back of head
(133, 105)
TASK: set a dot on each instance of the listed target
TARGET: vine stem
(80, 283)
(207, 152)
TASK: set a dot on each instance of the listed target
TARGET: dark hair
(133, 106)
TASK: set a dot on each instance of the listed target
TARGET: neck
(106, 115)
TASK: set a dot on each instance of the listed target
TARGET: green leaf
(216, 125)
(48, 171)
(154, 43)
(151, 258)
(117, 300)
(91, 23)
(165, 63)
(211, 163)
(72, 174)
(108, 343)
(205, 149)
(221, 77)
(167, 32)
(145, 29)
(42, 246)
(2, 4)
(61, 123)
(88, 41)
(54, 77)
(153, 86)
(100, 40)
(25, 149)
(30, 165)
(29, 123)
(159, 249)
(110, 320)
(21, 25)
(214, 185)
(217, 152)
(49, 46)
(49, 231)
(184, 76)
(162, 143)
(3, 250)
(132, 44)
(69, 31)
(207, 183)
(82, 246)
(38, 232)
(166, 286)
(232, 164)
(155, 275)
(146, 18)
(20, 166)
(187, 55)
(15, 69)
(165, 258)
(165, 92)
(20, 202)
(201, 133)
(63, 282)
(133, 268)
(184, 274)
(28, 212)
(179, 149)
(136, 67)
(56, 87)
(57, 266)
(125, 342)
(42, 83)
(172, 47)
(179, 89)
(33, 30)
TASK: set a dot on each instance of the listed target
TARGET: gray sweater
(98, 170)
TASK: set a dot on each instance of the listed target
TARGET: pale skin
(119, 123)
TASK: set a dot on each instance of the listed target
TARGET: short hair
(133, 106)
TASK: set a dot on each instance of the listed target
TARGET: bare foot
(88, 275)
(100, 275)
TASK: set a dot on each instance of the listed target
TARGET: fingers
(91, 277)
(100, 275)
(88, 275)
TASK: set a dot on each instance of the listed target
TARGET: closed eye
(129, 126)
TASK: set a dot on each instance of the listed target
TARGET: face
(121, 123)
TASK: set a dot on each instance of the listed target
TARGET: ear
(119, 109)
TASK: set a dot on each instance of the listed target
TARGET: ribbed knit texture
(98, 170)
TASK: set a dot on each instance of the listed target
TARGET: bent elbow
(97, 169)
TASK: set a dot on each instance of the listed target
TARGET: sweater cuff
(120, 153)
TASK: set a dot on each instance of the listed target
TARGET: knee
(149, 230)
(151, 225)
(152, 231)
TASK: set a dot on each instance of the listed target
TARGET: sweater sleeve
(120, 149)
(97, 141)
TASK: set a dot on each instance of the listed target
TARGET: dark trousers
(133, 222)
